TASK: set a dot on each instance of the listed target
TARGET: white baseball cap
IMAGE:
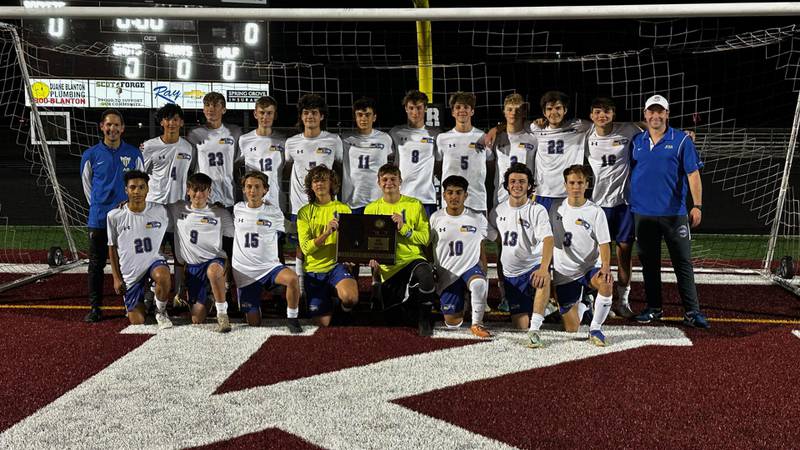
(657, 100)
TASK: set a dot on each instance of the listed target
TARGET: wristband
(698, 207)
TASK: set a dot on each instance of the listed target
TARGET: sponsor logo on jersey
(275, 148)
(622, 141)
(226, 141)
(182, 155)
(263, 222)
(153, 224)
(427, 140)
(583, 223)
(468, 229)
(324, 151)
(208, 220)
(527, 147)
(669, 146)
(477, 146)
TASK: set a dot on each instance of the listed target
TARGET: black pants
(393, 292)
(98, 256)
(674, 230)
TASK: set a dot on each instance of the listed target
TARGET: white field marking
(796, 333)
(160, 394)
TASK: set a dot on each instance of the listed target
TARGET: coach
(664, 164)
(102, 169)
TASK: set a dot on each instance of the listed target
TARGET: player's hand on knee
(374, 264)
(539, 278)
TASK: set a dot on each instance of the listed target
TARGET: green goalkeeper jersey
(411, 238)
(311, 222)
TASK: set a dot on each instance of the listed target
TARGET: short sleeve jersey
(199, 232)
(137, 237)
(521, 231)
(609, 157)
(512, 148)
(265, 154)
(311, 222)
(363, 156)
(457, 240)
(464, 154)
(255, 243)
(306, 153)
(216, 151)
(415, 155)
(168, 166)
(558, 148)
(577, 235)
(410, 240)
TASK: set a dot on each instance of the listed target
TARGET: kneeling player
(582, 256)
(411, 276)
(199, 232)
(317, 223)
(522, 231)
(135, 231)
(256, 264)
(458, 235)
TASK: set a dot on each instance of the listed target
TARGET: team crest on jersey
(264, 222)
(208, 220)
(477, 146)
(583, 223)
(621, 142)
(524, 223)
(275, 148)
(184, 156)
(527, 147)
(125, 160)
(377, 145)
(669, 147)
(468, 229)
(427, 140)
(324, 151)
(153, 224)
(227, 140)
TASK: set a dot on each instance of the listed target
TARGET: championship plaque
(363, 237)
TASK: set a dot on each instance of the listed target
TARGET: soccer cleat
(223, 323)
(649, 314)
(535, 340)
(94, 316)
(293, 324)
(597, 338)
(503, 306)
(623, 311)
(695, 319)
(163, 320)
(480, 331)
(179, 302)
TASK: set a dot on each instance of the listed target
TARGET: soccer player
(525, 239)
(168, 160)
(365, 151)
(408, 285)
(317, 225)
(560, 145)
(217, 149)
(462, 152)
(134, 233)
(582, 256)
(262, 149)
(102, 168)
(608, 154)
(199, 232)
(256, 263)
(514, 145)
(457, 233)
(415, 151)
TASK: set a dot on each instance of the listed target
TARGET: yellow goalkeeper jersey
(411, 238)
(311, 222)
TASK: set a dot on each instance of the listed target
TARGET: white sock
(222, 307)
(478, 287)
(292, 313)
(161, 306)
(346, 308)
(536, 322)
(458, 325)
(602, 305)
(582, 307)
(622, 294)
(298, 269)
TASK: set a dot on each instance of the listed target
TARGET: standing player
(364, 152)
(608, 154)
(256, 263)
(457, 234)
(582, 256)
(217, 149)
(415, 151)
(102, 168)
(134, 232)
(560, 145)
(262, 149)
(317, 225)
(514, 145)
(462, 152)
(522, 231)
(168, 160)
(411, 276)
(199, 231)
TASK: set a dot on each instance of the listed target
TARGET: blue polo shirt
(102, 173)
(659, 182)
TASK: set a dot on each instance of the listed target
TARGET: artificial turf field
(71, 384)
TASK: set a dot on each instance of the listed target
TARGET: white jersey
(464, 154)
(306, 153)
(511, 148)
(265, 154)
(415, 155)
(198, 232)
(168, 166)
(456, 243)
(577, 234)
(137, 237)
(521, 231)
(216, 151)
(255, 247)
(609, 158)
(363, 156)
(558, 148)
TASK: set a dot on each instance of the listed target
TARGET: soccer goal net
(734, 81)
